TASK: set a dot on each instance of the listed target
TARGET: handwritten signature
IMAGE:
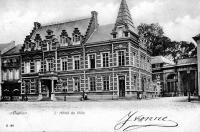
(134, 120)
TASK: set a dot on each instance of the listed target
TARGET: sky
(180, 19)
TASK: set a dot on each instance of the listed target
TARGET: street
(99, 115)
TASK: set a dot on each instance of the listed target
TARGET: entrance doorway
(46, 88)
(121, 86)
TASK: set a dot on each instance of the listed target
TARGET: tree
(151, 35)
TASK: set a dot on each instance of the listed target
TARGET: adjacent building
(105, 61)
(175, 79)
(11, 86)
(4, 48)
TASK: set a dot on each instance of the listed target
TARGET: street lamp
(188, 88)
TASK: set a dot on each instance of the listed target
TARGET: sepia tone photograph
(99, 66)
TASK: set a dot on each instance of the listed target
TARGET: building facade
(175, 79)
(4, 48)
(105, 61)
(11, 86)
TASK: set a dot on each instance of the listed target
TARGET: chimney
(37, 25)
(95, 18)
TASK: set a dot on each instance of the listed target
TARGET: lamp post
(188, 88)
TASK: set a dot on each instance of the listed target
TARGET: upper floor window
(76, 36)
(64, 64)
(4, 75)
(92, 60)
(76, 62)
(27, 67)
(10, 74)
(134, 59)
(38, 66)
(105, 59)
(16, 74)
(63, 38)
(50, 65)
(121, 58)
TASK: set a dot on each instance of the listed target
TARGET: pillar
(196, 81)
(179, 83)
(52, 90)
(39, 90)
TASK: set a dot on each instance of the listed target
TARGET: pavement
(102, 115)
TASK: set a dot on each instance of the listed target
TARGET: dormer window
(37, 42)
(64, 40)
(76, 36)
(120, 31)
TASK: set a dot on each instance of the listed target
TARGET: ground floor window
(76, 84)
(106, 83)
(92, 83)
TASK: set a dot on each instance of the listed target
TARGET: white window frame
(108, 82)
(89, 79)
(38, 68)
(102, 59)
(62, 60)
(89, 63)
(79, 58)
(124, 57)
(74, 79)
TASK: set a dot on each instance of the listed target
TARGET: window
(32, 86)
(106, 83)
(76, 39)
(76, 84)
(38, 66)
(4, 75)
(92, 83)
(50, 65)
(27, 67)
(63, 41)
(64, 64)
(105, 59)
(134, 59)
(121, 58)
(135, 81)
(76, 62)
(32, 66)
(16, 72)
(10, 75)
(65, 85)
(92, 60)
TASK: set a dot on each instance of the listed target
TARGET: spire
(124, 17)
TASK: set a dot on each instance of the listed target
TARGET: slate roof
(102, 33)
(187, 61)
(124, 17)
(161, 59)
(14, 50)
(81, 24)
(5, 46)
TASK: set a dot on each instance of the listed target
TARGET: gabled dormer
(124, 25)
(76, 36)
(38, 42)
(50, 43)
(28, 44)
(64, 39)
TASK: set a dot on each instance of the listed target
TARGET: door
(121, 86)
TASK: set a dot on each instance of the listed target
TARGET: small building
(175, 79)
(11, 86)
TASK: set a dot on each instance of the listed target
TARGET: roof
(4, 47)
(14, 50)
(124, 17)
(102, 33)
(161, 59)
(187, 61)
(81, 24)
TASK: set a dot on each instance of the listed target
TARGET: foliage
(152, 36)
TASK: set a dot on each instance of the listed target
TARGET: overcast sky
(180, 19)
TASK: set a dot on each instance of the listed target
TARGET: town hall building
(105, 61)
